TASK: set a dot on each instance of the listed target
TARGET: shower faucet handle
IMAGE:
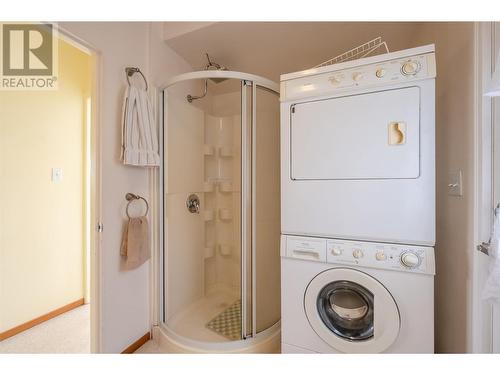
(193, 204)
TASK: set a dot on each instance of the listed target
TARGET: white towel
(139, 134)
(491, 290)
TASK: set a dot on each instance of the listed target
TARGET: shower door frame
(254, 82)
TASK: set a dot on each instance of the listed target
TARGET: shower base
(192, 322)
(201, 326)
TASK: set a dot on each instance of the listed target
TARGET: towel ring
(129, 71)
(130, 197)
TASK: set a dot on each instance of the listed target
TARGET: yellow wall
(42, 222)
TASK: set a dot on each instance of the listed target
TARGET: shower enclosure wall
(221, 211)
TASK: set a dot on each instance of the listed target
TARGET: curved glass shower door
(221, 210)
(266, 209)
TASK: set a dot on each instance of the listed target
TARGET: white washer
(341, 296)
(357, 149)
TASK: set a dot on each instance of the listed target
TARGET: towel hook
(130, 197)
(129, 71)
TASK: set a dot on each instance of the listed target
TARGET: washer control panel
(386, 72)
(408, 258)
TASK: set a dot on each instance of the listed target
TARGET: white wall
(125, 297)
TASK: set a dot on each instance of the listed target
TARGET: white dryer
(341, 296)
(357, 149)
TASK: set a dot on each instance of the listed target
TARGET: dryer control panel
(391, 68)
(406, 258)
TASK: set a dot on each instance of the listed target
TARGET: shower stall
(220, 264)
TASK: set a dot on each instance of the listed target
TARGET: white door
(496, 174)
(486, 316)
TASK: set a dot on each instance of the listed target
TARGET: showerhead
(214, 66)
(218, 80)
(211, 65)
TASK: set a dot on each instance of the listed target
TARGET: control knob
(357, 76)
(336, 251)
(410, 260)
(410, 68)
(357, 254)
(380, 72)
(335, 80)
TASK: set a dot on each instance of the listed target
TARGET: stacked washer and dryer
(358, 205)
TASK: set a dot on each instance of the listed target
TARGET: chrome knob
(193, 204)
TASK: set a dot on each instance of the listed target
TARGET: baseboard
(137, 344)
(23, 327)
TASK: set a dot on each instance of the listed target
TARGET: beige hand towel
(135, 242)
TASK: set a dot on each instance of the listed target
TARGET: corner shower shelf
(208, 187)
(208, 215)
(225, 186)
(209, 252)
(208, 150)
(225, 214)
(226, 151)
(225, 250)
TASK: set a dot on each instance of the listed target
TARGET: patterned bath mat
(228, 322)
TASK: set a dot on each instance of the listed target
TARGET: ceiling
(269, 49)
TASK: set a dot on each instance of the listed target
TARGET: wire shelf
(358, 52)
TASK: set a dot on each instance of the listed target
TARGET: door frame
(95, 186)
(480, 338)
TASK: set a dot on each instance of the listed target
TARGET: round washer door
(352, 311)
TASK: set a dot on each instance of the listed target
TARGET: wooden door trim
(137, 344)
(41, 319)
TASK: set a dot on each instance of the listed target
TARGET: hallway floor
(150, 347)
(66, 333)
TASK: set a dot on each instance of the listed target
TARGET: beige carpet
(66, 333)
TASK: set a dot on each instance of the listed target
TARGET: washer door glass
(340, 306)
(346, 308)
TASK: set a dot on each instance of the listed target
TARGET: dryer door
(351, 311)
(367, 136)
